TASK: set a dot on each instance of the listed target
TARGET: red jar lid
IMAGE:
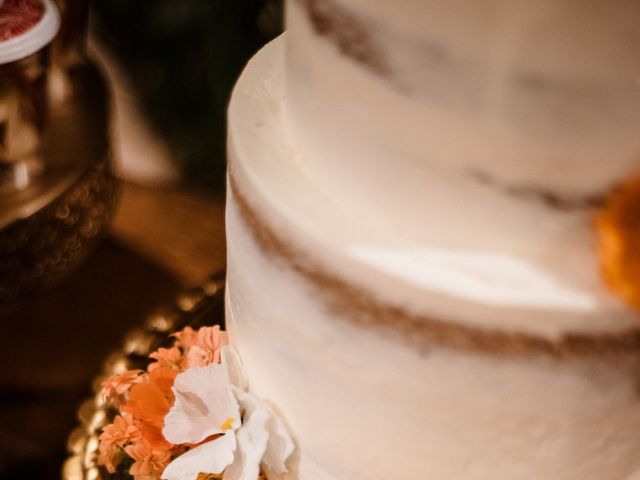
(18, 16)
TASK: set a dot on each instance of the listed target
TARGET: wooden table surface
(161, 242)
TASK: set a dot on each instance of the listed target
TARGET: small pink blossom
(168, 357)
(186, 338)
(113, 438)
(149, 464)
(206, 350)
(114, 389)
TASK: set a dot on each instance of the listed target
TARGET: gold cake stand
(49, 227)
(199, 307)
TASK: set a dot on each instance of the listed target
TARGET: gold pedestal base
(39, 250)
(48, 227)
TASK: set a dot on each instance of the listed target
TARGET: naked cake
(418, 222)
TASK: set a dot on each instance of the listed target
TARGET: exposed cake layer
(510, 120)
(526, 94)
(351, 375)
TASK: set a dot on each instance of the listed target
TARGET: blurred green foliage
(183, 57)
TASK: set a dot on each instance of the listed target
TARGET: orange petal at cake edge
(618, 228)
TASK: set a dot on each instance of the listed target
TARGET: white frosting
(549, 288)
(371, 180)
(404, 151)
(364, 407)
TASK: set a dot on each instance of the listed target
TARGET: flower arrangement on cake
(190, 416)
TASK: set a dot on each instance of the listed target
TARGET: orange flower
(618, 228)
(206, 350)
(168, 357)
(149, 463)
(114, 437)
(186, 338)
(149, 402)
(114, 388)
(108, 455)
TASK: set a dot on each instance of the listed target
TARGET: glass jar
(26, 31)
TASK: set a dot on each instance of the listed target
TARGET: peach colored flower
(108, 455)
(149, 403)
(206, 350)
(113, 438)
(114, 388)
(149, 463)
(186, 338)
(168, 357)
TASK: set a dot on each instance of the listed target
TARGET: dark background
(182, 57)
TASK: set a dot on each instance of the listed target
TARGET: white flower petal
(204, 405)
(279, 447)
(235, 369)
(210, 457)
(252, 438)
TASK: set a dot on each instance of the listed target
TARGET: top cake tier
(527, 96)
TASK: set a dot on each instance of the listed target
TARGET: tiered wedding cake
(413, 278)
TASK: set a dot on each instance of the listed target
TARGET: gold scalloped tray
(196, 308)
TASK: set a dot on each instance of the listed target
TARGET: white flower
(209, 401)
